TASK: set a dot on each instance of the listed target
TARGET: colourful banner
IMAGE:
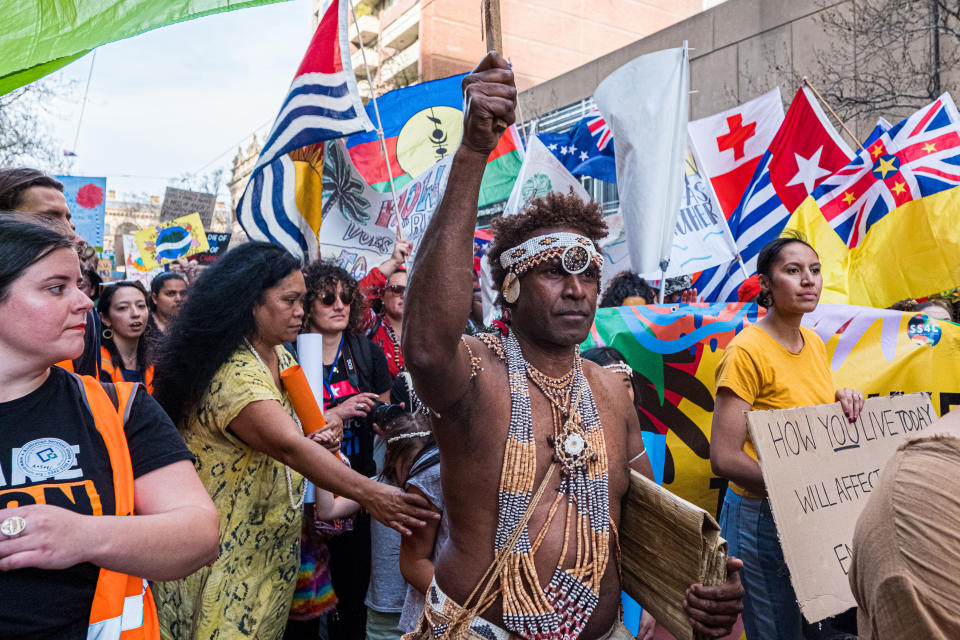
(88, 206)
(676, 349)
(40, 37)
(360, 224)
(166, 242)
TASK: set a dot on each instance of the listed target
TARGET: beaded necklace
(563, 608)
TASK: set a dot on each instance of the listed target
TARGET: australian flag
(323, 103)
(586, 149)
(918, 157)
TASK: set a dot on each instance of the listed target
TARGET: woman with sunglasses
(125, 346)
(355, 377)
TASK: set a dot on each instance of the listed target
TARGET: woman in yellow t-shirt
(774, 364)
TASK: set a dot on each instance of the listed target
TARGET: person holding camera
(356, 385)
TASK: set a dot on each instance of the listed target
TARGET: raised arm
(440, 289)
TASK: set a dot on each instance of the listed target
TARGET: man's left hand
(714, 610)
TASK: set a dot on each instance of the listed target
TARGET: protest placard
(819, 470)
(87, 204)
(218, 246)
(181, 202)
(167, 241)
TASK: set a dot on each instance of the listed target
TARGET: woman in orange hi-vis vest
(125, 345)
(98, 493)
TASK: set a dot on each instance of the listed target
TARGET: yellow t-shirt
(763, 372)
(248, 590)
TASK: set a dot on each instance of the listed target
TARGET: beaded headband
(414, 434)
(576, 252)
(619, 367)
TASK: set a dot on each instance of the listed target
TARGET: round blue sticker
(923, 330)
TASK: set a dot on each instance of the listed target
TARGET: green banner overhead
(39, 37)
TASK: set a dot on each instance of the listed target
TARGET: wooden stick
(832, 112)
(492, 35)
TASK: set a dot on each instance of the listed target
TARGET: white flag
(540, 174)
(645, 102)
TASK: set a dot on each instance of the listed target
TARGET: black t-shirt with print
(52, 453)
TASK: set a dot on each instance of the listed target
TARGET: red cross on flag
(729, 145)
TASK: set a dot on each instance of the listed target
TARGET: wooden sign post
(493, 36)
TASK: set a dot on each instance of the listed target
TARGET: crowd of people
(467, 481)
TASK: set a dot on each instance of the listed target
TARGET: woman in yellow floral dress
(219, 379)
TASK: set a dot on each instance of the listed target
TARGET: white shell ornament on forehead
(575, 259)
(511, 288)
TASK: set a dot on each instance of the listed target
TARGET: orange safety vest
(106, 364)
(123, 606)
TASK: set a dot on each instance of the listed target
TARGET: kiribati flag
(323, 103)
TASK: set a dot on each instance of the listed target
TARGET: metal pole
(376, 111)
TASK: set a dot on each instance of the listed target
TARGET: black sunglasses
(328, 298)
(396, 288)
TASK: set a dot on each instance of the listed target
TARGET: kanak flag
(804, 152)
(728, 146)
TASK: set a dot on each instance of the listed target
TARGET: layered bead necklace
(563, 608)
(395, 342)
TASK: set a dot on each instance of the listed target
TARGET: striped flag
(804, 152)
(323, 103)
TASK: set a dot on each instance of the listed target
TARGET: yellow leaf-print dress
(246, 593)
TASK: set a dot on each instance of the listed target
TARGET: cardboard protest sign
(87, 204)
(167, 241)
(181, 202)
(819, 470)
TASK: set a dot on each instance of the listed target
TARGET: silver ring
(13, 526)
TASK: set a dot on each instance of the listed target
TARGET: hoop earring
(107, 333)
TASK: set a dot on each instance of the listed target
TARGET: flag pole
(856, 140)
(493, 36)
(376, 111)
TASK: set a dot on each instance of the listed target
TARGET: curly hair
(216, 318)
(626, 284)
(322, 276)
(553, 211)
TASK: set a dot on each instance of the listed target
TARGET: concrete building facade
(740, 49)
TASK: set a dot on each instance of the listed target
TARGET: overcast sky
(179, 99)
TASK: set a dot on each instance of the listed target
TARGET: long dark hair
(103, 308)
(405, 450)
(23, 244)
(217, 316)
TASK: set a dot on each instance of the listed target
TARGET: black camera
(383, 413)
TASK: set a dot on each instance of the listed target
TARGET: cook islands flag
(322, 104)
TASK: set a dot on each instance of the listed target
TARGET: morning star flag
(41, 37)
(645, 103)
(894, 211)
(541, 174)
(323, 104)
(728, 146)
(804, 152)
(422, 125)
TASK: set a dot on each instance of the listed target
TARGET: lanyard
(326, 383)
